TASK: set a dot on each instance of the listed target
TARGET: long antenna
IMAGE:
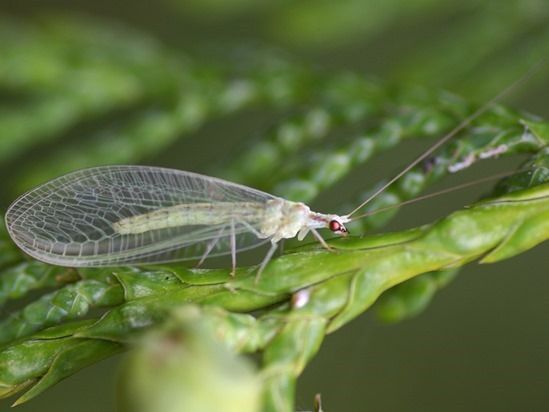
(440, 192)
(465, 122)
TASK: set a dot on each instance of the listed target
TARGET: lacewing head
(336, 225)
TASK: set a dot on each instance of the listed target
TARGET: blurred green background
(480, 345)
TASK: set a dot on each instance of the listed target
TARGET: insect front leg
(321, 240)
(302, 233)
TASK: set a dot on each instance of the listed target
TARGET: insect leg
(210, 246)
(233, 248)
(321, 239)
(251, 228)
(266, 259)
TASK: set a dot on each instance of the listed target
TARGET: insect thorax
(283, 219)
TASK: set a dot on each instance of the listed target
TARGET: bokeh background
(481, 343)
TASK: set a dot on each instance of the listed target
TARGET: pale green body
(276, 219)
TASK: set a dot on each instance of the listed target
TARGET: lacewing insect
(116, 215)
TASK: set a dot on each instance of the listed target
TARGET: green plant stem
(314, 289)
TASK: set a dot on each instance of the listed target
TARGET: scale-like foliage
(326, 125)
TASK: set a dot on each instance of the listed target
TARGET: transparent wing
(74, 220)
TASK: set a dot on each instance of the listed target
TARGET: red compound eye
(335, 226)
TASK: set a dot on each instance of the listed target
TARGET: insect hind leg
(210, 247)
(233, 249)
(251, 228)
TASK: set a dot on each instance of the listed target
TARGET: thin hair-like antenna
(465, 122)
(440, 192)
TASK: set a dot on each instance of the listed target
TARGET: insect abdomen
(189, 214)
